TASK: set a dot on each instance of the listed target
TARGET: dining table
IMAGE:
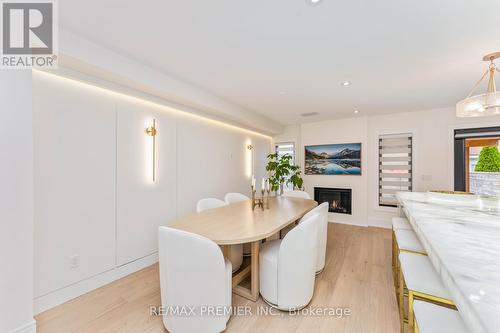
(240, 223)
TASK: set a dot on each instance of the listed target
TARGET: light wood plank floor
(357, 275)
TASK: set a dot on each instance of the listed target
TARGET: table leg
(252, 270)
(255, 290)
(226, 251)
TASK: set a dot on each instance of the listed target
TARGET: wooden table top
(237, 223)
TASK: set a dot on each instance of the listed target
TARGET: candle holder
(267, 198)
(257, 202)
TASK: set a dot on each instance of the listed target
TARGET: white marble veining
(461, 234)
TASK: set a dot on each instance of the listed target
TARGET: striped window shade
(395, 167)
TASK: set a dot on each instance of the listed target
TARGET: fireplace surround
(339, 199)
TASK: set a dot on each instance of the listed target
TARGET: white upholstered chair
(193, 273)
(208, 203)
(236, 255)
(230, 198)
(288, 266)
(297, 194)
(322, 211)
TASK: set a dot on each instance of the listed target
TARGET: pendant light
(487, 104)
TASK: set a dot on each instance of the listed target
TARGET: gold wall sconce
(151, 131)
(249, 147)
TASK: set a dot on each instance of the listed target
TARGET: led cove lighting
(150, 103)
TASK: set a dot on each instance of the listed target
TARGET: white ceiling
(282, 58)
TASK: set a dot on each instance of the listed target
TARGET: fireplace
(339, 199)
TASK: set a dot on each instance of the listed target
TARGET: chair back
(235, 197)
(297, 264)
(192, 274)
(297, 194)
(322, 211)
(209, 203)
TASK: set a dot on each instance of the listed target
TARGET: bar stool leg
(401, 301)
(394, 258)
(411, 315)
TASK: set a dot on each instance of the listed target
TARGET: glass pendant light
(487, 104)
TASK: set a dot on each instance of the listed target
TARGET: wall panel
(142, 205)
(75, 159)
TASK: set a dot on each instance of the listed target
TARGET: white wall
(94, 196)
(432, 151)
(16, 203)
(352, 130)
(75, 174)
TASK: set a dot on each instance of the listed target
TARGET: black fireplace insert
(339, 199)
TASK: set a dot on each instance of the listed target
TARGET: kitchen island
(461, 235)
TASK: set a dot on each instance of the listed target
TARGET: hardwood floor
(357, 275)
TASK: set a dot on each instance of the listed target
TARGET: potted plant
(489, 160)
(282, 171)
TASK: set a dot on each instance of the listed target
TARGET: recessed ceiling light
(345, 83)
(313, 2)
(309, 114)
(356, 111)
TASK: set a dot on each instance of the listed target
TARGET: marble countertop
(461, 234)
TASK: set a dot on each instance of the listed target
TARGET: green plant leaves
(282, 170)
(489, 160)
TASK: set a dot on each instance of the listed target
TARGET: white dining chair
(297, 194)
(236, 252)
(322, 211)
(208, 203)
(231, 198)
(193, 275)
(288, 266)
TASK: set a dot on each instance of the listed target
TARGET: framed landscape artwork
(334, 159)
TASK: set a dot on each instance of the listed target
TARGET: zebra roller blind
(395, 167)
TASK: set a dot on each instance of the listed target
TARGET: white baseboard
(65, 294)
(26, 328)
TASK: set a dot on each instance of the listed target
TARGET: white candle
(263, 184)
(267, 184)
(253, 182)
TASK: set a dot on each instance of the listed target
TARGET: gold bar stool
(422, 282)
(431, 318)
(404, 241)
(398, 223)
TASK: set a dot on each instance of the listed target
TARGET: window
(468, 145)
(395, 167)
(286, 148)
